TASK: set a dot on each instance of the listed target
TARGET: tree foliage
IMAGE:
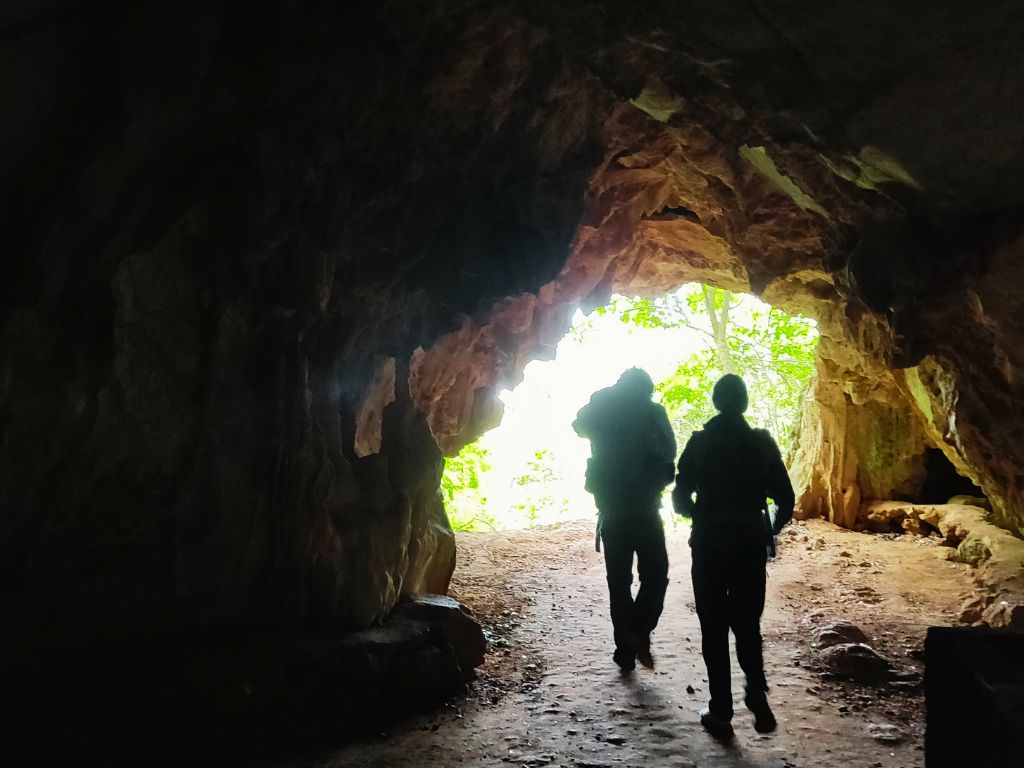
(537, 484)
(771, 350)
(461, 489)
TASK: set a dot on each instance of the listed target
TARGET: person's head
(638, 379)
(730, 395)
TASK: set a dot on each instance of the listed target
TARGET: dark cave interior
(267, 264)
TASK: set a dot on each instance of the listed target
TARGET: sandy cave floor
(549, 693)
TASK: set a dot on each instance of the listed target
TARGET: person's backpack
(632, 462)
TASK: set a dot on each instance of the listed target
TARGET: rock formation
(266, 264)
(996, 554)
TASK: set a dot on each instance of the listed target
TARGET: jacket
(733, 469)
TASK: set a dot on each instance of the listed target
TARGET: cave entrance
(835, 596)
(529, 471)
(942, 482)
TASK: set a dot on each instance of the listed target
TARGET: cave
(268, 264)
(942, 482)
(530, 469)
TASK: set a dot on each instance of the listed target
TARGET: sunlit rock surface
(996, 554)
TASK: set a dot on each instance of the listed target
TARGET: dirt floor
(549, 693)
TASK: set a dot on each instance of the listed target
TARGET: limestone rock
(370, 416)
(973, 551)
(974, 685)
(996, 553)
(425, 650)
(1006, 610)
(972, 611)
(855, 661)
(885, 733)
(971, 501)
(911, 525)
(460, 630)
(837, 633)
(857, 440)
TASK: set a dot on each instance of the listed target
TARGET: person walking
(632, 460)
(732, 468)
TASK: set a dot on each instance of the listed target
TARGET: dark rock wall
(220, 218)
(264, 259)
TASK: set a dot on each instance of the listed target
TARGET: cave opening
(524, 525)
(528, 471)
(268, 267)
(943, 483)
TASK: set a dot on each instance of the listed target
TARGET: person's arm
(779, 486)
(686, 478)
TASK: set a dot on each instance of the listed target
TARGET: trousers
(623, 536)
(728, 587)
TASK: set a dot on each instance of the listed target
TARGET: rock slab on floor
(856, 661)
(837, 633)
(887, 734)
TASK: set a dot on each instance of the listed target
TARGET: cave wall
(224, 222)
(770, 158)
(967, 389)
(270, 263)
(855, 445)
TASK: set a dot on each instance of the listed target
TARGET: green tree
(773, 351)
(461, 489)
(537, 483)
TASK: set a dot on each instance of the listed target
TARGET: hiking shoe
(625, 659)
(764, 718)
(643, 651)
(718, 727)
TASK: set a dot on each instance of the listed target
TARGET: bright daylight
(529, 471)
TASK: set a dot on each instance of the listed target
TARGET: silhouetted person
(632, 452)
(732, 468)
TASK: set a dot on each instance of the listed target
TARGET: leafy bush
(537, 483)
(460, 489)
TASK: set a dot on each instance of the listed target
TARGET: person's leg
(652, 568)
(709, 591)
(618, 563)
(747, 605)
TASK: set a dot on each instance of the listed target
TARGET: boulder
(971, 501)
(856, 661)
(887, 734)
(837, 633)
(973, 552)
(424, 651)
(459, 630)
(972, 611)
